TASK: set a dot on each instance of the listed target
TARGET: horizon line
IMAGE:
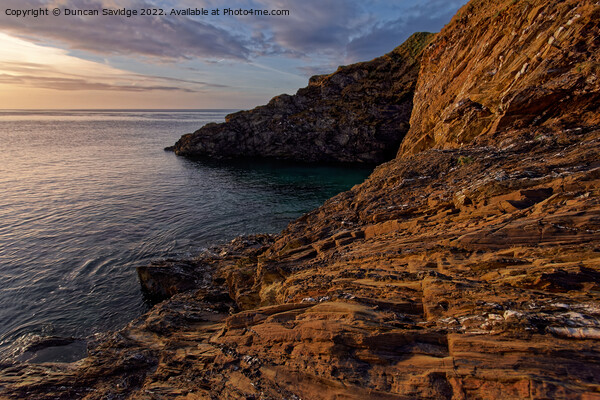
(120, 109)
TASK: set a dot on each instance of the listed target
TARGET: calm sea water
(85, 196)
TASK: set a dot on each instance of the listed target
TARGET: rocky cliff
(537, 65)
(452, 272)
(359, 113)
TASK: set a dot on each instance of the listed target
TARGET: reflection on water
(87, 195)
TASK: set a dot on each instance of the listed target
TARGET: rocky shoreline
(466, 267)
(358, 114)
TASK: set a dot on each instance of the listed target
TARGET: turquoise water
(85, 196)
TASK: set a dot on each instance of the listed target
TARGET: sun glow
(24, 63)
(37, 76)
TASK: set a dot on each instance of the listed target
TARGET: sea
(88, 195)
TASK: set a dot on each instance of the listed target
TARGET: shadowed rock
(359, 113)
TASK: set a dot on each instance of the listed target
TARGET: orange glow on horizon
(41, 77)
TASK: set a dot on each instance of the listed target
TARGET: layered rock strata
(360, 113)
(537, 66)
(451, 274)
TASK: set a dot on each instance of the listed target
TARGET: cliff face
(500, 66)
(359, 113)
(451, 273)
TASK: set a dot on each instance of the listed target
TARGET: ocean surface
(85, 196)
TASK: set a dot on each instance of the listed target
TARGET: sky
(184, 61)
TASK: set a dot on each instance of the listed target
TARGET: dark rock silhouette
(359, 113)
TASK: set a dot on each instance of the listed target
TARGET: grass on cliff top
(414, 45)
(408, 51)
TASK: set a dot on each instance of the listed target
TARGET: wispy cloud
(172, 37)
(313, 27)
(30, 65)
(331, 29)
(382, 37)
(59, 83)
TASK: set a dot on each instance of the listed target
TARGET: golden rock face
(432, 279)
(500, 66)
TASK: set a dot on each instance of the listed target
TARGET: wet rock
(575, 333)
(162, 280)
(562, 280)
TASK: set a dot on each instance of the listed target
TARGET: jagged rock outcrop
(537, 66)
(359, 113)
(451, 273)
(163, 279)
(461, 273)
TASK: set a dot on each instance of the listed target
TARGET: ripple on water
(88, 195)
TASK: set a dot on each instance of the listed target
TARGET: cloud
(311, 70)
(26, 64)
(313, 28)
(334, 32)
(329, 30)
(59, 83)
(383, 37)
(174, 37)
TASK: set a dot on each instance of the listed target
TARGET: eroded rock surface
(436, 278)
(537, 65)
(359, 113)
